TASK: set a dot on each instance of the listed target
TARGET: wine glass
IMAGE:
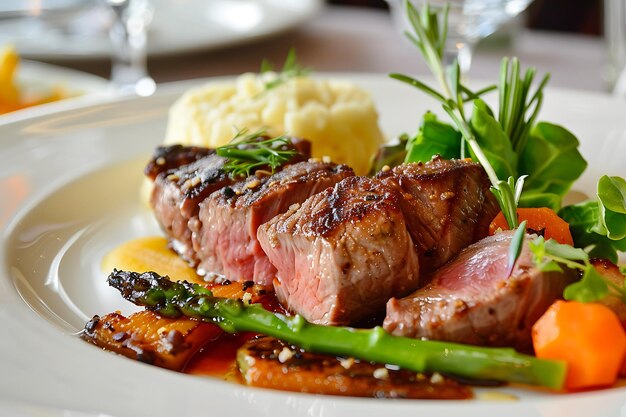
(469, 21)
(128, 34)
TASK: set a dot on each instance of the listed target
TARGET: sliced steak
(342, 253)
(183, 177)
(177, 194)
(471, 300)
(225, 240)
(446, 203)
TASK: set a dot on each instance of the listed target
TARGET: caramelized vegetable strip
(176, 299)
(261, 359)
(146, 337)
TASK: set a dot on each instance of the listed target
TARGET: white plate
(177, 26)
(69, 185)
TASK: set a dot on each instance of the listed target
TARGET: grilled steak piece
(471, 300)
(225, 240)
(342, 253)
(447, 206)
(183, 177)
(270, 363)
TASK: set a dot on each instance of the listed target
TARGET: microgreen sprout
(248, 152)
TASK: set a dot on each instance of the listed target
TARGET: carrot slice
(588, 336)
(541, 219)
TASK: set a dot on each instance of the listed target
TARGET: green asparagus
(176, 299)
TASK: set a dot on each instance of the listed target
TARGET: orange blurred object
(11, 98)
(540, 219)
(587, 336)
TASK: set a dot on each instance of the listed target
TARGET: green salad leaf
(599, 225)
(612, 205)
(433, 138)
(552, 162)
(592, 287)
(495, 143)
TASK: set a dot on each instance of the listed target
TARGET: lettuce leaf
(434, 138)
(595, 225)
(494, 142)
(552, 162)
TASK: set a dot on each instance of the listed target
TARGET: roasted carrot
(540, 219)
(587, 336)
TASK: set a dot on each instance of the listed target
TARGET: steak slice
(447, 206)
(177, 194)
(342, 253)
(471, 300)
(183, 177)
(226, 238)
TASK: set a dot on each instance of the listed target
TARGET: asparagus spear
(175, 299)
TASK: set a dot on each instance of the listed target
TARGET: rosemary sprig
(430, 37)
(291, 69)
(248, 152)
(515, 248)
(518, 112)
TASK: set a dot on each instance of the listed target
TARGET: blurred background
(192, 39)
(579, 16)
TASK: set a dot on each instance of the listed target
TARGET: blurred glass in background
(580, 16)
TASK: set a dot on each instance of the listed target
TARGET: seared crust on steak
(342, 253)
(270, 363)
(183, 177)
(225, 240)
(447, 205)
(471, 300)
(166, 158)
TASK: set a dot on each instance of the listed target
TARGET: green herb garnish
(430, 40)
(248, 152)
(515, 248)
(291, 69)
(549, 255)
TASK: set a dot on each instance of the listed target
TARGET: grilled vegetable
(146, 337)
(176, 299)
(261, 359)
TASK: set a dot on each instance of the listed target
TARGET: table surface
(355, 39)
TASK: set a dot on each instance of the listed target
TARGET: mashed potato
(336, 116)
